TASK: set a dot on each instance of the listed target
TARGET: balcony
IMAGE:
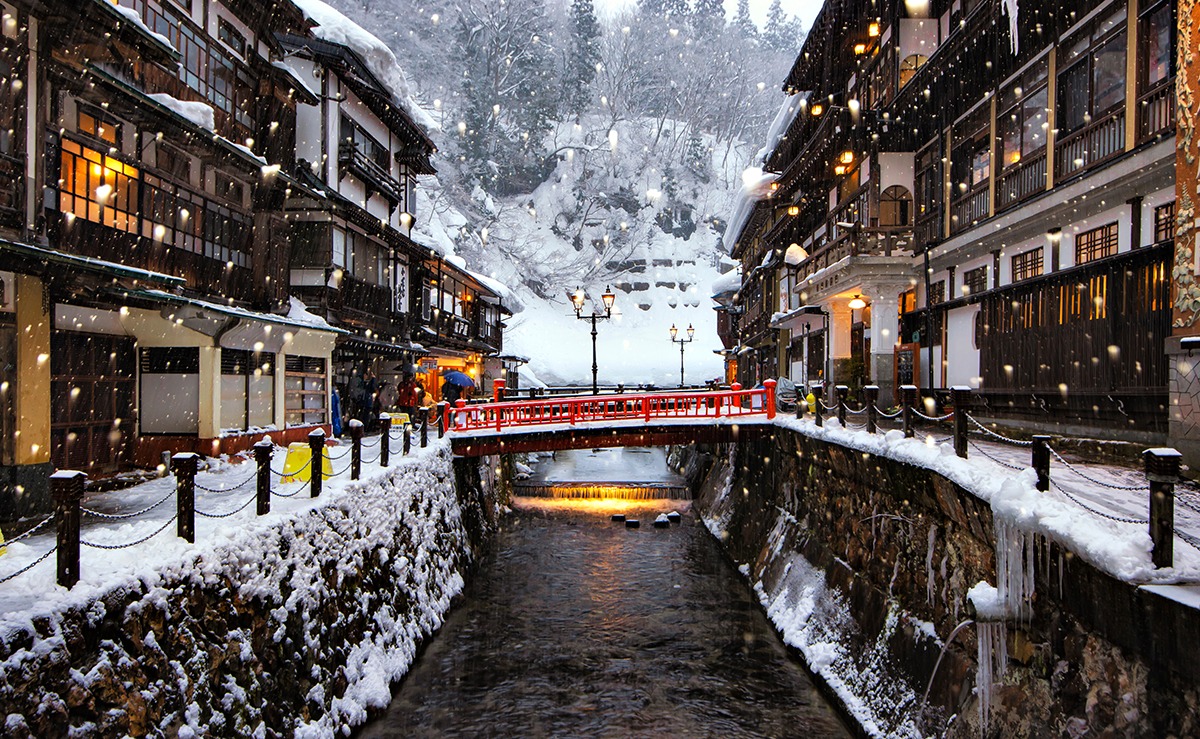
(1156, 112)
(1090, 145)
(970, 208)
(12, 192)
(352, 159)
(1022, 181)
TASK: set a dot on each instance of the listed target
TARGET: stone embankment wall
(863, 564)
(296, 633)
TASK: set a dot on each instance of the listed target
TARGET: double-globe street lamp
(578, 298)
(691, 332)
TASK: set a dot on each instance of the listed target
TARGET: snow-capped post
(842, 392)
(66, 487)
(1162, 471)
(262, 455)
(498, 390)
(769, 401)
(316, 465)
(960, 395)
(1041, 461)
(356, 432)
(385, 439)
(818, 412)
(908, 403)
(460, 413)
(443, 417)
(184, 466)
(871, 393)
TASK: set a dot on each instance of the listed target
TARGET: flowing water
(576, 626)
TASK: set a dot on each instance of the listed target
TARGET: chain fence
(142, 540)
(29, 566)
(123, 516)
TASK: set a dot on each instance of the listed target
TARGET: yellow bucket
(296, 467)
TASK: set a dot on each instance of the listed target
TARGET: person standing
(406, 396)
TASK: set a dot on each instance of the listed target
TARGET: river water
(576, 626)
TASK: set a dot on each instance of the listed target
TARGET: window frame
(1028, 264)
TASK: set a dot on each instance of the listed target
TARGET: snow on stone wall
(296, 629)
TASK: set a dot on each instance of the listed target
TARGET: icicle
(992, 638)
(1011, 9)
(1014, 568)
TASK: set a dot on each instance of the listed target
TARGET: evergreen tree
(579, 68)
(708, 18)
(664, 8)
(509, 91)
(782, 33)
(742, 22)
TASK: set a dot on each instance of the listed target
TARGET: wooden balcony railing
(971, 208)
(352, 158)
(894, 241)
(1156, 111)
(1090, 145)
(12, 191)
(928, 229)
(1019, 182)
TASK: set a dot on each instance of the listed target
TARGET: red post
(646, 408)
(461, 404)
(769, 401)
(735, 400)
(496, 411)
(497, 391)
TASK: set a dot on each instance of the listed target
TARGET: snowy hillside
(610, 155)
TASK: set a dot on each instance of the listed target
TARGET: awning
(379, 347)
(792, 319)
(38, 260)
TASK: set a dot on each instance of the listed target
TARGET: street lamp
(578, 298)
(691, 332)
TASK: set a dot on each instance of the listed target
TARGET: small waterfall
(622, 491)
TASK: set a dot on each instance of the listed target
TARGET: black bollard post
(1041, 461)
(316, 444)
(908, 402)
(818, 410)
(441, 418)
(801, 405)
(961, 397)
(356, 433)
(184, 466)
(871, 393)
(1162, 471)
(407, 439)
(385, 439)
(66, 487)
(424, 427)
(842, 391)
(262, 455)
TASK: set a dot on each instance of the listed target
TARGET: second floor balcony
(353, 159)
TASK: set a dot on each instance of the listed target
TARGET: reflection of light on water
(606, 491)
(599, 505)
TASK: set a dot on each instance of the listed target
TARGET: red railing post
(646, 408)
(735, 399)
(461, 421)
(769, 401)
(497, 390)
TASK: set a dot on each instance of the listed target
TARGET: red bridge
(594, 421)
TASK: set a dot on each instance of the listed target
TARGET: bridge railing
(647, 407)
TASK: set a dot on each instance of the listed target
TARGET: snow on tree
(782, 33)
(583, 54)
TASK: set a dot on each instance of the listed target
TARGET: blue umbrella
(455, 377)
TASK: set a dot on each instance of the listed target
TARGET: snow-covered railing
(1162, 466)
(601, 409)
(67, 489)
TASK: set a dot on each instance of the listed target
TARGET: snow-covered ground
(225, 489)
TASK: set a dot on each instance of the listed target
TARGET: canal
(576, 625)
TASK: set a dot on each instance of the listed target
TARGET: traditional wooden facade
(999, 193)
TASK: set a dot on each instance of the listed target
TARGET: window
(174, 163)
(230, 189)
(1022, 119)
(1155, 29)
(908, 301)
(305, 390)
(98, 188)
(909, 66)
(929, 181)
(100, 127)
(367, 259)
(971, 162)
(354, 135)
(231, 37)
(247, 389)
(937, 293)
(1027, 264)
(179, 217)
(975, 280)
(1096, 244)
(895, 207)
(1091, 77)
(1164, 222)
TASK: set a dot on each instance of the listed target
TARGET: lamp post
(691, 332)
(578, 298)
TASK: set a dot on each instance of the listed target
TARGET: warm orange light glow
(793, 210)
(860, 49)
(857, 303)
(847, 157)
(817, 109)
(839, 169)
(873, 29)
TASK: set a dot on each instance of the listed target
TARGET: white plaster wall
(308, 117)
(917, 36)
(962, 357)
(896, 168)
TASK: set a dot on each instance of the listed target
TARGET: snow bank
(334, 27)
(728, 283)
(298, 313)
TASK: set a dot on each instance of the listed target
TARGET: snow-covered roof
(728, 283)
(756, 186)
(795, 254)
(336, 28)
(783, 120)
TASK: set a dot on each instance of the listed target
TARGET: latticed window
(1164, 222)
(305, 390)
(937, 293)
(1096, 244)
(1027, 264)
(975, 280)
(98, 188)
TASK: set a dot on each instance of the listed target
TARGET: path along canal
(576, 626)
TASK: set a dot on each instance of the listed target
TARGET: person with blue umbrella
(453, 384)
